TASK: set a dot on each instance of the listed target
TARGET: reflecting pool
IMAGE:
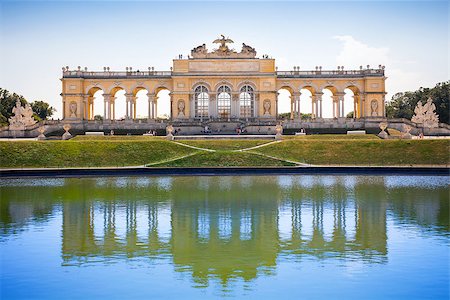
(258, 237)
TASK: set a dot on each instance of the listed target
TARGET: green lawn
(361, 152)
(331, 137)
(156, 151)
(87, 153)
(224, 144)
(225, 159)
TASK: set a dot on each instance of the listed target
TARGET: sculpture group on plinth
(23, 116)
(426, 115)
(223, 50)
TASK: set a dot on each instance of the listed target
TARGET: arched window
(247, 102)
(224, 102)
(201, 101)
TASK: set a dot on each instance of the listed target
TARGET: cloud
(355, 53)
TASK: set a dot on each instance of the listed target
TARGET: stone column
(84, 107)
(296, 100)
(335, 99)
(318, 103)
(340, 105)
(134, 107)
(64, 106)
(362, 101)
(112, 106)
(383, 106)
(106, 106)
(313, 112)
(256, 106)
(129, 98)
(155, 107)
(150, 105)
(291, 98)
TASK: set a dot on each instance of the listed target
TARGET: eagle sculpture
(223, 47)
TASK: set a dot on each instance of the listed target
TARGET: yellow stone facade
(223, 85)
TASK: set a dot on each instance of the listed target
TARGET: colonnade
(109, 107)
(337, 104)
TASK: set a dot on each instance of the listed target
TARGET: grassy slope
(362, 152)
(131, 151)
(224, 159)
(224, 144)
(87, 153)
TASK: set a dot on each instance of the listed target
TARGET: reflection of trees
(223, 227)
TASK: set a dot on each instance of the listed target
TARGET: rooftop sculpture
(223, 51)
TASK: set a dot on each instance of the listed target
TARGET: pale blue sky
(37, 38)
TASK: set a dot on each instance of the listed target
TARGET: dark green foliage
(41, 109)
(402, 104)
(7, 102)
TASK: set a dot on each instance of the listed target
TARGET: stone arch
(307, 100)
(201, 82)
(353, 99)
(285, 102)
(115, 88)
(137, 88)
(311, 86)
(163, 103)
(244, 83)
(286, 86)
(92, 99)
(93, 88)
(224, 82)
(161, 87)
(327, 101)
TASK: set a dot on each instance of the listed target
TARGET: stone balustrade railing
(117, 74)
(328, 73)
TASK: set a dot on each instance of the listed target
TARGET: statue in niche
(266, 106)
(73, 109)
(374, 108)
(181, 107)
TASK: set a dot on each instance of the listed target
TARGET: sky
(38, 38)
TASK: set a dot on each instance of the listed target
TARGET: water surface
(258, 237)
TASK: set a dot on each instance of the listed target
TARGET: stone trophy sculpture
(23, 116)
(426, 115)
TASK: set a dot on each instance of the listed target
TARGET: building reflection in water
(223, 227)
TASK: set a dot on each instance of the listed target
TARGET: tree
(98, 118)
(7, 102)
(42, 109)
(350, 115)
(402, 104)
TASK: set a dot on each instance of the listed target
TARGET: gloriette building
(224, 85)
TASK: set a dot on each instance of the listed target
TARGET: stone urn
(383, 134)
(41, 136)
(66, 134)
(278, 132)
(406, 134)
(169, 132)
